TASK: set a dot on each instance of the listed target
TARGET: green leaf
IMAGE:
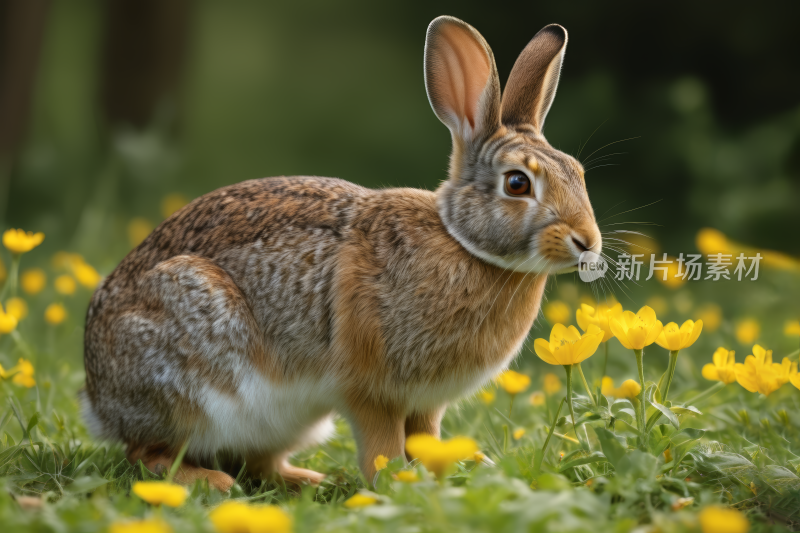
(685, 410)
(594, 457)
(86, 484)
(32, 422)
(651, 392)
(666, 412)
(613, 450)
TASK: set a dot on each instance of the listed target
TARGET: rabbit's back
(236, 284)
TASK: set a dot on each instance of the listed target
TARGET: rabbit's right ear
(461, 79)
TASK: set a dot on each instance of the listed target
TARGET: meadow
(684, 155)
(720, 453)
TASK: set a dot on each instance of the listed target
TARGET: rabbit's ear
(461, 79)
(533, 81)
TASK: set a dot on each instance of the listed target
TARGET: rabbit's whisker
(630, 210)
(581, 147)
(609, 144)
(598, 166)
(601, 157)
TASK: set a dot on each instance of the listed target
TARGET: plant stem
(713, 389)
(586, 385)
(549, 435)
(177, 463)
(668, 375)
(673, 362)
(568, 370)
(643, 406)
(11, 281)
(511, 405)
(605, 360)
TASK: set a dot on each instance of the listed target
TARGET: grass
(733, 448)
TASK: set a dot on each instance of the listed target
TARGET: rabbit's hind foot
(265, 466)
(159, 460)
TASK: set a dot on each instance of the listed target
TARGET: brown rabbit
(247, 319)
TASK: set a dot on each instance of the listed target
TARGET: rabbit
(251, 317)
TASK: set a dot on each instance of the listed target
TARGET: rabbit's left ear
(533, 81)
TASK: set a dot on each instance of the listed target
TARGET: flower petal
(557, 334)
(653, 333)
(647, 315)
(710, 372)
(542, 349)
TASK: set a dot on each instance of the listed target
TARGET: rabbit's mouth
(567, 270)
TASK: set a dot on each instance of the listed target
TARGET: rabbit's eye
(517, 183)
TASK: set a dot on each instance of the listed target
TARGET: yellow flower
(33, 280)
(407, 476)
(636, 331)
(65, 284)
(748, 330)
(711, 241)
(24, 374)
(55, 314)
(673, 281)
(158, 492)
(567, 346)
(723, 520)
(792, 328)
(552, 384)
(778, 260)
(711, 315)
(537, 398)
(140, 526)
(438, 456)
(8, 322)
(19, 241)
(380, 462)
(479, 457)
(675, 338)
(138, 230)
(237, 517)
(724, 367)
(794, 376)
(513, 382)
(358, 500)
(86, 274)
(486, 396)
(628, 389)
(588, 315)
(17, 307)
(760, 374)
(171, 203)
(557, 312)
(519, 433)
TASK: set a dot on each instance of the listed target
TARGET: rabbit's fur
(251, 316)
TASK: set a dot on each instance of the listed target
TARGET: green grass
(743, 451)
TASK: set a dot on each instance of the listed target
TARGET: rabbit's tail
(93, 423)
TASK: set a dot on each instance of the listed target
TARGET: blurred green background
(109, 107)
(133, 99)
